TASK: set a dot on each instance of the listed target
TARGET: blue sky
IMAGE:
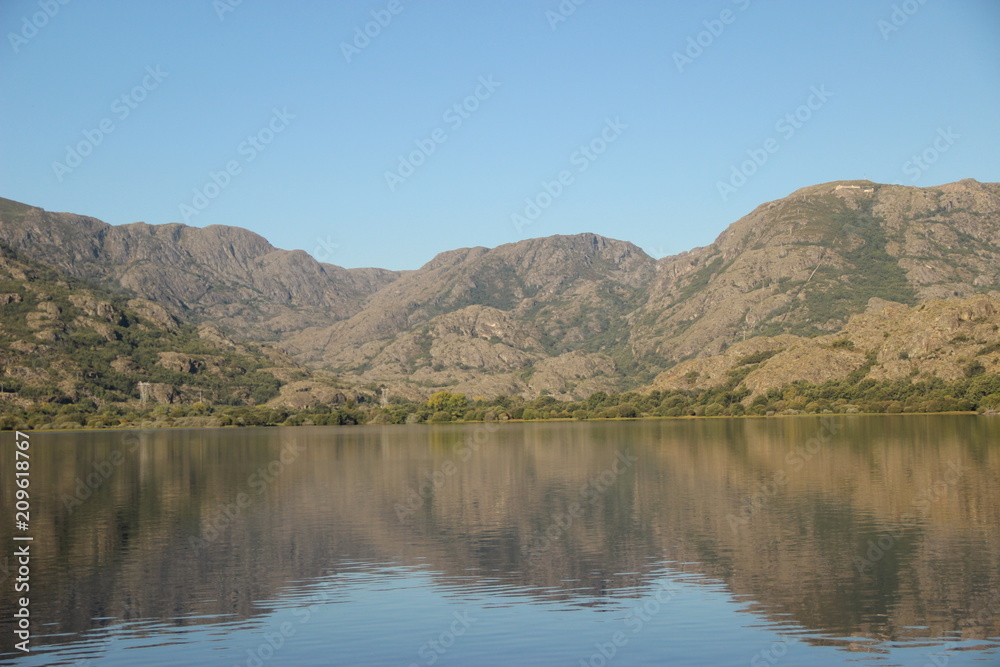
(463, 123)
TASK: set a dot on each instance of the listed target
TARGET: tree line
(978, 391)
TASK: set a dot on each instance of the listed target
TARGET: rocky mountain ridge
(228, 275)
(563, 315)
(805, 263)
(945, 338)
(65, 343)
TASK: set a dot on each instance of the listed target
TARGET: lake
(781, 541)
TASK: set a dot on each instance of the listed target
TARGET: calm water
(872, 540)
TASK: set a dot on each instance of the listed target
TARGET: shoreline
(170, 427)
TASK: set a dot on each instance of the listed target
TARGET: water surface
(870, 540)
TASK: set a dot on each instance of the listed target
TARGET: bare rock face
(480, 320)
(574, 374)
(567, 315)
(63, 342)
(815, 363)
(97, 309)
(306, 394)
(226, 274)
(155, 313)
(890, 341)
(704, 372)
(184, 363)
(806, 263)
(160, 392)
(212, 335)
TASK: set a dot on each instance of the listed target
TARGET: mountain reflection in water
(859, 529)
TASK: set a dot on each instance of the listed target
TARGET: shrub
(713, 410)
(627, 410)
(974, 368)
(757, 357)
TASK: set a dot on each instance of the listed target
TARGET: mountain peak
(571, 313)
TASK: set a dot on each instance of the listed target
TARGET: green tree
(447, 401)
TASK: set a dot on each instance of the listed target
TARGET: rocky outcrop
(947, 339)
(480, 321)
(805, 263)
(566, 315)
(62, 342)
(227, 274)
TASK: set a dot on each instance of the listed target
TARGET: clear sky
(626, 118)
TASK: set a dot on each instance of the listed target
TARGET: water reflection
(859, 533)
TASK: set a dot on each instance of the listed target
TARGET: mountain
(63, 342)
(805, 263)
(572, 315)
(227, 275)
(542, 314)
(562, 315)
(946, 339)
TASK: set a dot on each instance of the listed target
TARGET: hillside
(942, 339)
(803, 264)
(543, 314)
(226, 275)
(572, 315)
(564, 315)
(63, 342)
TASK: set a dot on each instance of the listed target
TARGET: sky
(380, 133)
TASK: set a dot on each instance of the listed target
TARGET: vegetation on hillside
(63, 342)
(835, 264)
(976, 392)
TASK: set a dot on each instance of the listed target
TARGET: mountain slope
(225, 274)
(64, 342)
(485, 320)
(564, 315)
(805, 263)
(947, 339)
